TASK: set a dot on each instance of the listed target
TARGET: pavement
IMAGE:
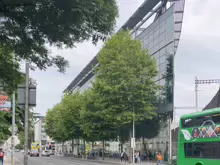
(60, 160)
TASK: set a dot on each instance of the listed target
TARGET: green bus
(199, 138)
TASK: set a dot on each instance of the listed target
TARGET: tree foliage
(54, 124)
(6, 119)
(93, 116)
(125, 79)
(28, 26)
(4, 125)
(71, 104)
(124, 89)
(19, 146)
(10, 75)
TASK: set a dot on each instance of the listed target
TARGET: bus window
(216, 118)
(206, 150)
(199, 121)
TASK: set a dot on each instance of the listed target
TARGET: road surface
(53, 160)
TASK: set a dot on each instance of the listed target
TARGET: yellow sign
(88, 147)
(35, 145)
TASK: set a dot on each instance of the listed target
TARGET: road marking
(19, 161)
(73, 162)
(84, 161)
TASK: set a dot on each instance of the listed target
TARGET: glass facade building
(161, 39)
(158, 39)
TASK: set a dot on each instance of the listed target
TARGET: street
(54, 160)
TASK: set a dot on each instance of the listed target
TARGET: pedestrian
(139, 156)
(125, 157)
(155, 155)
(2, 154)
(122, 156)
(159, 158)
(136, 157)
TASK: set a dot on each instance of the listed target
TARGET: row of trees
(28, 27)
(124, 90)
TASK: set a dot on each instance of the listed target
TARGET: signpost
(15, 129)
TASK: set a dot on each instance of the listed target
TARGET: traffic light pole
(26, 115)
(13, 125)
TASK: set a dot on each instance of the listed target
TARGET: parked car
(34, 153)
(45, 153)
(52, 152)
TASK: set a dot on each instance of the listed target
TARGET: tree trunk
(78, 148)
(130, 149)
(72, 146)
(84, 148)
(103, 150)
(144, 144)
(62, 147)
(92, 145)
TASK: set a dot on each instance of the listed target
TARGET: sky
(197, 55)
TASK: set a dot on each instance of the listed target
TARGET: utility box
(32, 95)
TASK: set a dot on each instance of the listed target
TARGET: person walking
(122, 156)
(2, 154)
(139, 156)
(159, 158)
(136, 156)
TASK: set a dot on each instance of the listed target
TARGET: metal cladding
(215, 102)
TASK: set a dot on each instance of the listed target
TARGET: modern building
(40, 134)
(161, 38)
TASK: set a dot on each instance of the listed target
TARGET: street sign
(15, 129)
(132, 142)
(31, 95)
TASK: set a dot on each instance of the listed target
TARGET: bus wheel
(198, 164)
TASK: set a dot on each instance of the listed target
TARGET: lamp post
(133, 136)
(26, 115)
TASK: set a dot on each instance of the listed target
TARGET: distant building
(41, 136)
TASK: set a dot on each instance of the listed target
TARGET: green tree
(21, 137)
(72, 104)
(10, 74)
(54, 126)
(28, 26)
(5, 122)
(94, 123)
(125, 80)
(19, 146)
(4, 125)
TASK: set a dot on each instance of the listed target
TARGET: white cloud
(201, 17)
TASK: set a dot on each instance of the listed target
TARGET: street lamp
(133, 141)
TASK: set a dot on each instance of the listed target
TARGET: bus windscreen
(201, 121)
